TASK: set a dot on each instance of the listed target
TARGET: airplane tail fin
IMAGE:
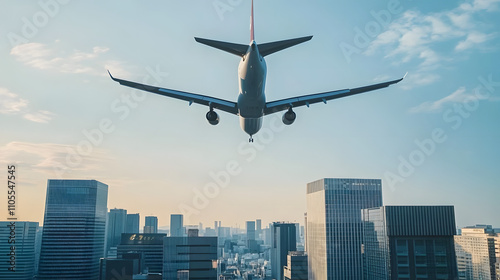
(269, 48)
(236, 49)
(252, 35)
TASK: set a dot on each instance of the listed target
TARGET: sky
(433, 138)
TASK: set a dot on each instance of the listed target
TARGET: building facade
(334, 226)
(73, 230)
(17, 250)
(190, 257)
(283, 240)
(296, 268)
(149, 246)
(176, 225)
(116, 225)
(409, 242)
(151, 224)
(476, 256)
(133, 221)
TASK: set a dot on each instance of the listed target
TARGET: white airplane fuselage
(252, 81)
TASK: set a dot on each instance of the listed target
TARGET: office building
(334, 226)
(176, 225)
(149, 246)
(283, 240)
(38, 247)
(250, 227)
(296, 267)
(475, 249)
(73, 230)
(133, 221)
(194, 257)
(258, 229)
(409, 242)
(117, 269)
(117, 223)
(17, 250)
(151, 224)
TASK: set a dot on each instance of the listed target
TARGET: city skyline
(431, 139)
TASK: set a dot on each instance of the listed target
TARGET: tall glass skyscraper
(176, 225)
(283, 239)
(133, 223)
(151, 224)
(335, 228)
(17, 264)
(73, 230)
(117, 223)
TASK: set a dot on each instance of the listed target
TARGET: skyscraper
(258, 228)
(195, 256)
(73, 229)
(409, 242)
(250, 230)
(133, 221)
(334, 225)
(296, 268)
(176, 225)
(17, 262)
(475, 249)
(151, 224)
(149, 246)
(283, 239)
(117, 222)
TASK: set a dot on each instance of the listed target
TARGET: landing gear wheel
(250, 140)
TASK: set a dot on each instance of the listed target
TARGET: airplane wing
(284, 104)
(224, 105)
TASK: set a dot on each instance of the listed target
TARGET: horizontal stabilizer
(236, 49)
(269, 48)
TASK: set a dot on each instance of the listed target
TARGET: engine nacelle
(289, 117)
(212, 118)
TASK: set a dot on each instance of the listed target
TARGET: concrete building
(296, 268)
(73, 230)
(17, 250)
(475, 249)
(283, 240)
(190, 258)
(335, 228)
(409, 242)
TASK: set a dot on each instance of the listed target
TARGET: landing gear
(250, 140)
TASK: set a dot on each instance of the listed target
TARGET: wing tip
(405, 75)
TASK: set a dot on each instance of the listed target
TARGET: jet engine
(212, 118)
(289, 117)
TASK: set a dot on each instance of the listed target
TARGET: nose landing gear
(251, 139)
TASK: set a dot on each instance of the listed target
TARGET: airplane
(251, 106)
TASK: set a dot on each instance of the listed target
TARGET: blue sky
(432, 139)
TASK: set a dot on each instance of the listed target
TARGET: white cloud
(472, 40)
(51, 158)
(458, 96)
(40, 116)
(12, 104)
(428, 39)
(44, 57)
